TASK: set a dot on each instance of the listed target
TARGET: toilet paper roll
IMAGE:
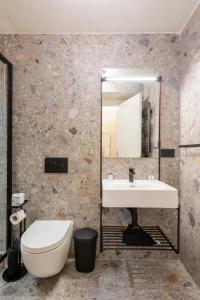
(17, 217)
(18, 199)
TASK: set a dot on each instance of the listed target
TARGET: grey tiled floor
(112, 279)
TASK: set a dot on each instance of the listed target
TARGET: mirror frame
(160, 80)
(9, 149)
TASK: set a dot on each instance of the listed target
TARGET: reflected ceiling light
(138, 79)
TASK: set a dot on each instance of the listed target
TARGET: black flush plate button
(56, 165)
(167, 152)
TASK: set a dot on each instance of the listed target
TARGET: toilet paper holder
(21, 268)
(22, 225)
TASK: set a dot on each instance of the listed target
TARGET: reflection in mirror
(130, 114)
(3, 158)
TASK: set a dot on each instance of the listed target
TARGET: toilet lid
(45, 235)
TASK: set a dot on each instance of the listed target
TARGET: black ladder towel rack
(146, 130)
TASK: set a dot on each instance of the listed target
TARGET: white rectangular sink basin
(143, 194)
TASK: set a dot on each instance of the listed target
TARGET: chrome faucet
(131, 174)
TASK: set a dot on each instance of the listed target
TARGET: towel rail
(190, 146)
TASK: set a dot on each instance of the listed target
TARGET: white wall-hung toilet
(45, 246)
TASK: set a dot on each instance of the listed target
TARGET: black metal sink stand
(111, 237)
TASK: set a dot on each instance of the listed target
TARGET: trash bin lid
(85, 234)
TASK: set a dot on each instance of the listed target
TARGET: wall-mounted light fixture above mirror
(130, 113)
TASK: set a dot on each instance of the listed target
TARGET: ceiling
(95, 16)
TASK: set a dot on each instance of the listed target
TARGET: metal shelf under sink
(111, 237)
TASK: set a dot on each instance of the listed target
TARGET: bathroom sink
(143, 194)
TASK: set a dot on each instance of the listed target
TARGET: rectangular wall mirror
(5, 153)
(130, 113)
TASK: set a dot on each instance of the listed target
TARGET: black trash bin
(85, 249)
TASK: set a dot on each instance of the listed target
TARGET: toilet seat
(45, 235)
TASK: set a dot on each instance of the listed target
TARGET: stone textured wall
(190, 158)
(56, 109)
